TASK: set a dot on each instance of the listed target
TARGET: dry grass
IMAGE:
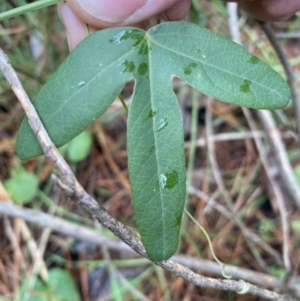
(28, 251)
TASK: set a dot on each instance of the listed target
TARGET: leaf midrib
(155, 145)
(212, 66)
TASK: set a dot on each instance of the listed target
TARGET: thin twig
(233, 22)
(275, 190)
(109, 159)
(285, 171)
(18, 255)
(202, 142)
(94, 237)
(287, 35)
(231, 215)
(282, 157)
(38, 260)
(291, 79)
(222, 188)
(34, 251)
(192, 154)
(92, 208)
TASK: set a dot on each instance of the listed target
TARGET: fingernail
(110, 11)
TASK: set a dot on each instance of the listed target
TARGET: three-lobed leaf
(96, 71)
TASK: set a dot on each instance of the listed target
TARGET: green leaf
(79, 148)
(277, 271)
(60, 287)
(22, 186)
(266, 226)
(295, 225)
(297, 174)
(40, 291)
(117, 291)
(156, 164)
(96, 71)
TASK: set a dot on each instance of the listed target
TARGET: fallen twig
(288, 71)
(76, 231)
(275, 139)
(95, 211)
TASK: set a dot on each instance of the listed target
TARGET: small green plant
(94, 74)
(60, 286)
(22, 186)
(295, 225)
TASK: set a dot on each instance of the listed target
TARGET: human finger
(271, 10)
(178, 11)
(75, 27)
(109, 13)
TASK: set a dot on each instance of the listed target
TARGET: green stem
(210, 245)
(196, 5)
(123, 103)
(87, 30)
(191, 161)
(27, 8)
(193, 138)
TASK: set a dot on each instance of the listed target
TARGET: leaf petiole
(87, 30)
(123, 103)
(27, 8)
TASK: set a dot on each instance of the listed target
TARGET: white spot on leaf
(162, 124)
(162, 181)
